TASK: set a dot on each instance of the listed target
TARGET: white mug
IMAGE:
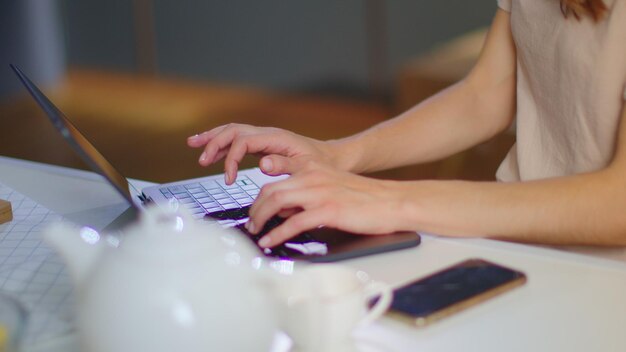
(322, 304)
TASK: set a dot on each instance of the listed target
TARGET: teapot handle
(383, 292)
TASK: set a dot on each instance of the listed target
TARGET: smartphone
(452, 290)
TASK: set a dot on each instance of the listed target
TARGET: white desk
(572, 301)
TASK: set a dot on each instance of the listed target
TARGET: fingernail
(267, 165)
(203, 156)
(194, 136)
(264, 242)
(250, 226)
(227, 177)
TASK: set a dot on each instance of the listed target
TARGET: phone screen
(453, 289)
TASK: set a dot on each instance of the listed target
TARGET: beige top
(571, 86)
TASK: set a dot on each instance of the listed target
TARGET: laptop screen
(90, 155)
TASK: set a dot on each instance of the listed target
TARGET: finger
(217, 144)
(308, 183)
(203, 138)
(197, 140)
(218, 156)
(293, 226)
(221, 154)
(241, 146)
(285, 213)
(275, 165)
(206, 136)
(284, 199)
(215, 140)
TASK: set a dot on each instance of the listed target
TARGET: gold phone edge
(457, 307)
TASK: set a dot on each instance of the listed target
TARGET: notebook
(210, 199)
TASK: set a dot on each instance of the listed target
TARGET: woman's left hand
(318, 195)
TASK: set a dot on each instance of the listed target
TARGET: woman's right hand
(277, 146)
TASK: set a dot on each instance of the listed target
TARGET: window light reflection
(174, 204)
(113, 241)
(363, 276)
(183, 314)
(257, 262)
(233, 259)
(89, 235)
(283, 266)
(180, 224)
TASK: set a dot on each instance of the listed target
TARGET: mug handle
(373, 290)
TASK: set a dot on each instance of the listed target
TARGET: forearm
(449, 122)
(582, 209)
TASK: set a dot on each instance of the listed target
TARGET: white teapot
(168, 284)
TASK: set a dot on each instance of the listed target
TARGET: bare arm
(466, 114)
(580, 209)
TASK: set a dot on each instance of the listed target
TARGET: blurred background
(139, 76)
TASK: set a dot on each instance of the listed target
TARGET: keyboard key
(245, 201)
(221, 196)
(167, 195)
(192, 185)
(209, 203)
(213, 191)
(197, 191)
(204, 198)
(187, 201)
(239, 195)
(228, 206)
(225, 200)
(224, 185)
(177, 189)
(232, 191)
(209, 184)
(213, 209)
(249, 187)
(253, 193)
(233, 214)
(196, 209)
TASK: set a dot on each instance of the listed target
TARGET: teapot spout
(79, 248)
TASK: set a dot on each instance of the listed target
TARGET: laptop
(210, 199)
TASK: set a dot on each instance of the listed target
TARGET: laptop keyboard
(229, 205)
(214, 196)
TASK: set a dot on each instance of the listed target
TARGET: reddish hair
(596, 9)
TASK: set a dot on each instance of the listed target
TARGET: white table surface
(574, 300)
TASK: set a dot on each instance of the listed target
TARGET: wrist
(409, 205)
(344, 154)
(396, 206)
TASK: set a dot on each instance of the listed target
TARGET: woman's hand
(317, 195)
(234, 141)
